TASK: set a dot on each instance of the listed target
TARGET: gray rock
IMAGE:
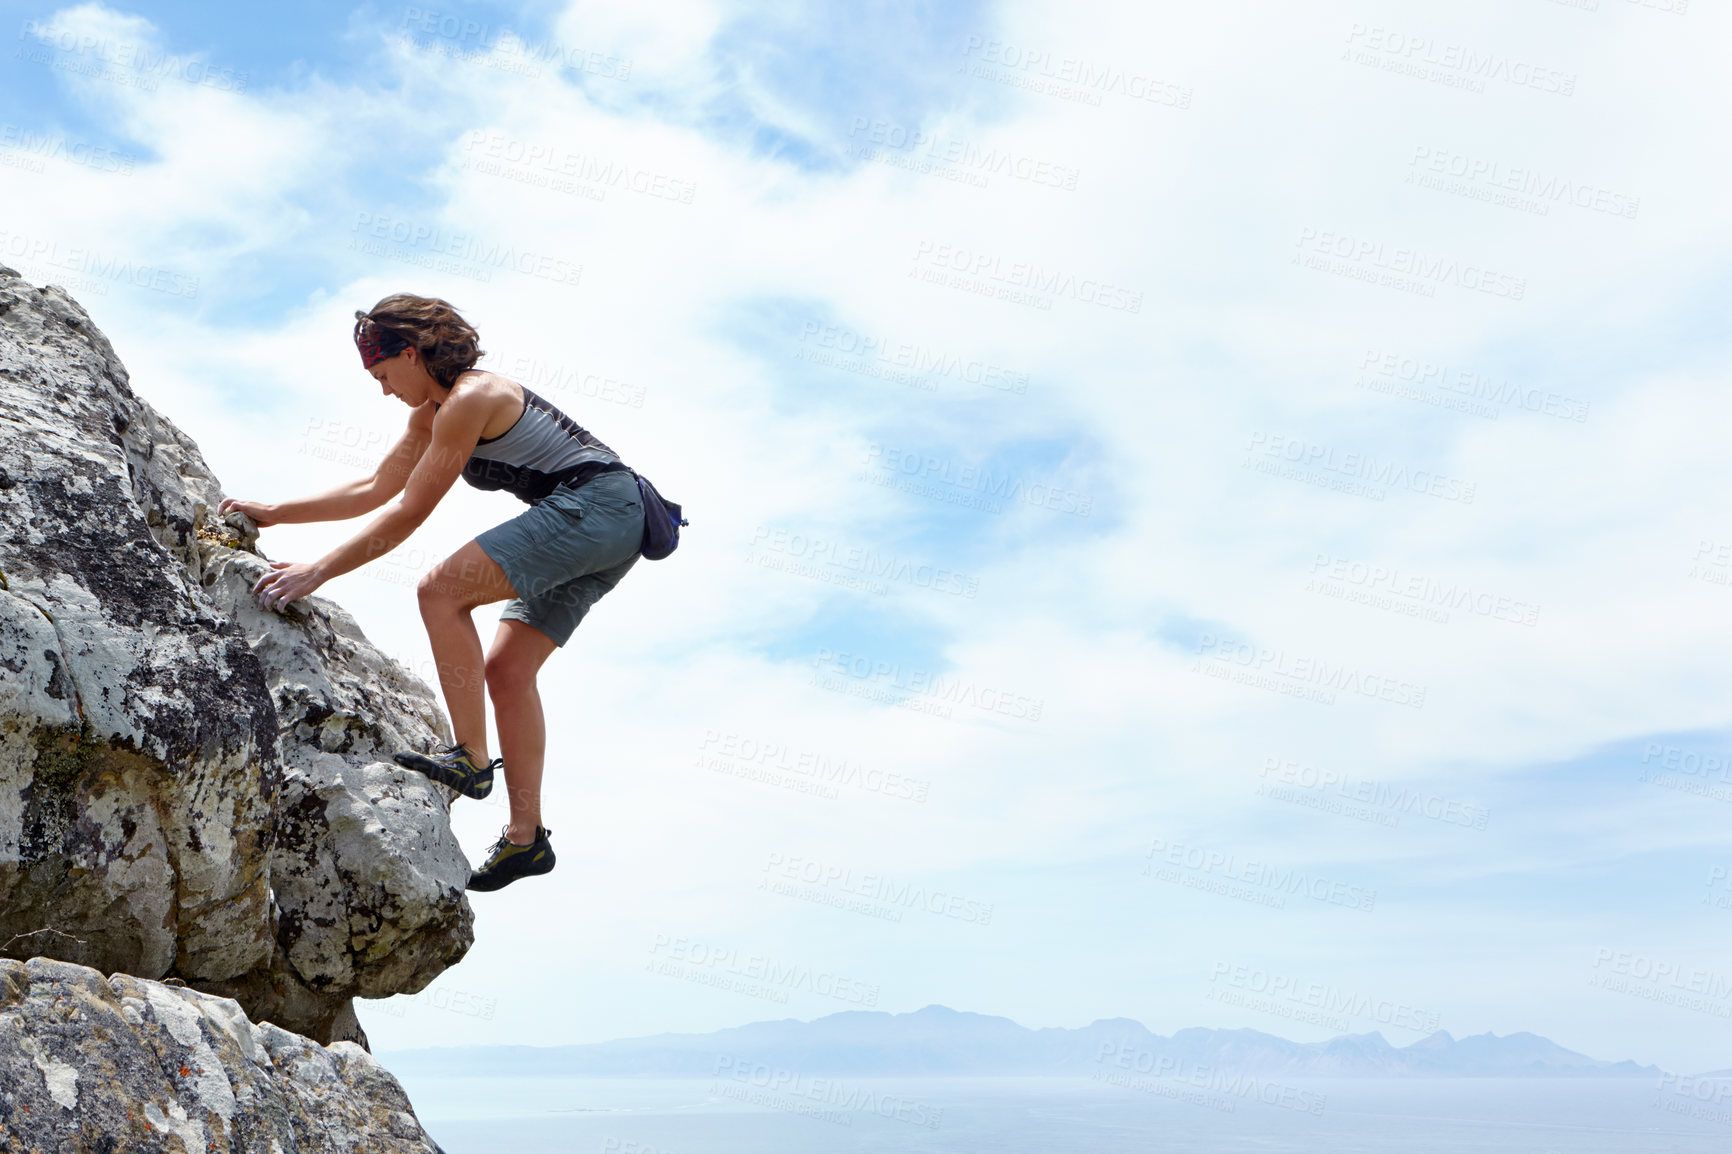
(191, 786)
(121, 1063)
(367, 876)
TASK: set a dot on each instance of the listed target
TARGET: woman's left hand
(287, 581)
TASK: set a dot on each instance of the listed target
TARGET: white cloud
(667, 45)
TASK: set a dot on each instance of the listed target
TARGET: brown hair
(447, 343)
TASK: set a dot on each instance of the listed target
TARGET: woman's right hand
(261, 513)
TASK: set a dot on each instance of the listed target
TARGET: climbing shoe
(507, 861)
(454, 766)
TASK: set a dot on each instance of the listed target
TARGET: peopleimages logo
(1166, 859)
(1545, 188)
(464, 246)
(1304, 676)
(919, 472)
(549, 379)
(1687, 771)
(1359, 473)
(928, 692)
(1662, 981)
(55, 146)
(94, 270)
(1288, 997)
(875, 887)
(815, 555)
(937, 261)
(1381, 582)
(1702, 1097)
(134, 60)
(758, 975)
(1068, 77)
(975, 160)
(475, 39)
(837, 1097)
(906, 362)
(1690, 762)
(1406, 264)
(1376, 796)
(753, 756)
(1223, 1087)
(1470, 385)
(501, 154)
(1464, 64)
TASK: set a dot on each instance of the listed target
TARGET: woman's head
(444, 343)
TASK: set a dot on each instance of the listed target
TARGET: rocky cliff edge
(191, 788)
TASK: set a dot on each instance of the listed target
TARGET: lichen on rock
(121, 1063)
(192, 787)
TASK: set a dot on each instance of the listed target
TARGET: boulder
(122, 1063)
(191, 787)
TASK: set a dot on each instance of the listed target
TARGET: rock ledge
(123, 1064)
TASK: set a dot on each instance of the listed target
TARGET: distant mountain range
(938, 1041)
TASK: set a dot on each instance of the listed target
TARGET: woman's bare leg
(454, 587)
(516, 657)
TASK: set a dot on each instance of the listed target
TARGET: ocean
(769, 1114)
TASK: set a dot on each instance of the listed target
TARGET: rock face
(94, 1063)
(191, 787)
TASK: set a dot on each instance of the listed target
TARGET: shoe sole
(490, 885)
(463, 784)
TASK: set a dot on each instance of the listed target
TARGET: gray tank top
(543, 450)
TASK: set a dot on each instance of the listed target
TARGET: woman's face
(405, 377)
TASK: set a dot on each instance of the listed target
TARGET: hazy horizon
(386, 1055)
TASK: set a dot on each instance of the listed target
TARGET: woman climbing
(581, 533)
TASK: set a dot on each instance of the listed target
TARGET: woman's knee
(509, 674)
(441, 589)
(432, 593)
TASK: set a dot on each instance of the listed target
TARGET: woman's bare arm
(454, 437)
(352, 498)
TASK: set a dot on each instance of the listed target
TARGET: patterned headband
(376, 344)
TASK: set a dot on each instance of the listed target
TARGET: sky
(1210, 514)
